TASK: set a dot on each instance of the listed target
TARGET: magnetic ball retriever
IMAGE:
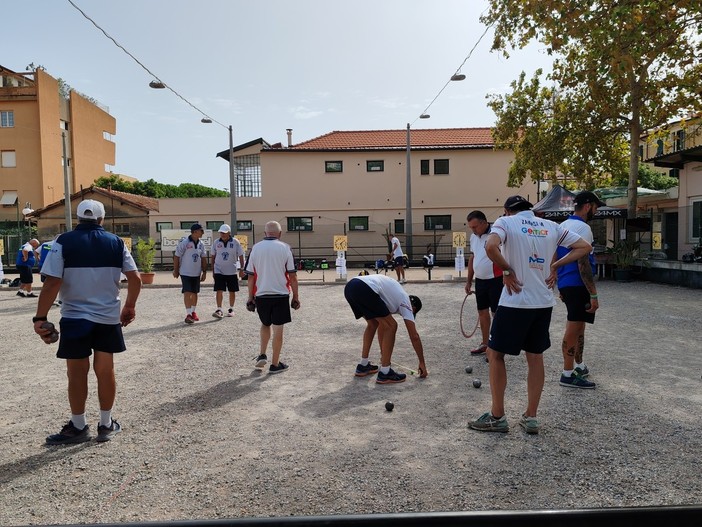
(477, 383)
(389, 406)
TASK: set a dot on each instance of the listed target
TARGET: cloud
(302, 112)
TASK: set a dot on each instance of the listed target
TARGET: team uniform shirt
(44, 250)
(398, 251)
(191, 255)
(90, 287)
(391, 293)
(569, 274)
(225, 256)
(528, 244)
(483, 267)
(271, 261)
(30, 256)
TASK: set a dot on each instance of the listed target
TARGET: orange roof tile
(397, 139)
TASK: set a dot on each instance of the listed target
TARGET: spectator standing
(226, 252)
(576, 285)
(523, 317)
(376, 298)
(85, 265)
(398, 257)
(190, 264)
(272, 276)
(26, 258)
(488, 276)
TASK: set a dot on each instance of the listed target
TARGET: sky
(314, 66)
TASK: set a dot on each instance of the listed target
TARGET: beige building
(354, 183)
(34, 116)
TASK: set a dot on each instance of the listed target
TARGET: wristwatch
(507, 272)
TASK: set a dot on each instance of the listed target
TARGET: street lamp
(232, 175)
(408, 195)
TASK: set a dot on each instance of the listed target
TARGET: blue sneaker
(577, 381)
(391, 377)
(68, 435)
(583, 372)
(368, 369)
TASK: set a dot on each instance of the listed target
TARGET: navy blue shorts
(487, 293)
(226, 282)
(364, 301)
(577, 300)
(273, 309)
(79, 337)
(25, 274)
(399, 261)
(191, 284)
(516, 329)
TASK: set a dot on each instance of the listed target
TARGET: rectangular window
(297, 223)
(248, 175)
(696, 218)
(679, 140)
(161, 225)
(439, 223)
(424, 167)
(63, 124)
(213, 225)
(244, 225)
(121, 229)
(399, 226)
(358, 223)
(375, 166)
(187, 224)
(441, 166)
(674, 172)
(333, 166)
(7, 119)
(8, 159)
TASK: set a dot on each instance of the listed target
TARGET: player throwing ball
(376, 298)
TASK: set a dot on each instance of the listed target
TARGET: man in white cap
(26, 258)
(226, 252)
(85, 265)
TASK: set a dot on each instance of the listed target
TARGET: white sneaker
(218, 314)
(230, 313)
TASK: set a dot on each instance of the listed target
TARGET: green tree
(155, 189)
(648, 178)
(634, 64)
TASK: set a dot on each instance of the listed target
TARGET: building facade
(37, 121)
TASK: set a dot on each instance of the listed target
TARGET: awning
(678, 159)
(9, 197)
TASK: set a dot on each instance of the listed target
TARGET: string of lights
(157, 82)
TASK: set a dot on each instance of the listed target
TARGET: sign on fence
(171, 237)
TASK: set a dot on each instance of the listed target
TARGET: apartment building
(37, 122)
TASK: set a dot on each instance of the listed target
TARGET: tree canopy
(624, 65)
(154, 189)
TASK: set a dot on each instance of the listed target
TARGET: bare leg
(573, 343)
(218, 297)
(498, 381)
(368, 335)
(484, 318)
(265, 337)
(77, 371)
(535, 382)
(277, 344)
(232, 298)
(387, 328)
(103, 366)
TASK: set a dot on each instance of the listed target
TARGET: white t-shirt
(483, 267)
(225, 255)
(391, 293)
(271, 261)
(398, 251)
(190, 255)
(528, 245)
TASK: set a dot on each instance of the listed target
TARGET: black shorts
(79, 337)
(191, 284)
(515, 329)
(577, 300)
(25, 274)
(487, 293)
(226, 282)
(364, 301)
(399, 261)
(273, 309)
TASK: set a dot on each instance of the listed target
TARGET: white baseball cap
(90, 209)
(225, 228)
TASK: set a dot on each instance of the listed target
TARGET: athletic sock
(78, 421)
(385, 370)
(580, 365)
(364, 362)
(567, 373)
(189, 310)
(106, 418)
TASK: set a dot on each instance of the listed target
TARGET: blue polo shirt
(90, 261)
(569, 274)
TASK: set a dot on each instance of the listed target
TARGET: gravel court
(206, 436)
